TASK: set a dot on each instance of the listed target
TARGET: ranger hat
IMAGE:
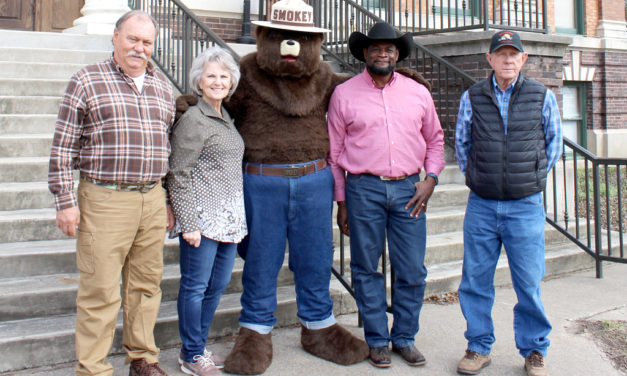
(291, 15)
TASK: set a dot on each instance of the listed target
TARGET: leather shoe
(139, 367)
(412, 356)
(380, 357)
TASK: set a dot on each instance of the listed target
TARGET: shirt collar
(207, 110)
(150, 69)
(509, 88)
(369, 81)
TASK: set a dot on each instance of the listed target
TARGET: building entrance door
(39, 15)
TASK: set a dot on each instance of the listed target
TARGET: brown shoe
(380, 357)
(410, 353)
(534, 365)
(139, 367)
(472, 363)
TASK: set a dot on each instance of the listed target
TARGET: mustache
(132, 53)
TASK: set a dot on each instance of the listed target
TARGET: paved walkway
(567, 299)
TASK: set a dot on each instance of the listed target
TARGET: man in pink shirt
(384, 130)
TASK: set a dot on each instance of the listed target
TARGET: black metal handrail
(441, 16)
(585, 203)
(182, 36)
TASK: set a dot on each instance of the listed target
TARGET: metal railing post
(598, 241)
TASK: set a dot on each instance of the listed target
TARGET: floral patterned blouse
(205, 179)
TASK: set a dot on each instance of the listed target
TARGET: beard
(372, 68)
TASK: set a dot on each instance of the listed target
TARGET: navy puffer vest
(512, 166)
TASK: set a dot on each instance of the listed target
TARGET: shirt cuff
(433, 176)
(65, 200)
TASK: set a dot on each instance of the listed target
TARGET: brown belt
(287, 172)
(119, 186)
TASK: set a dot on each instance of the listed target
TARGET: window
(574, 119)
(570, 17)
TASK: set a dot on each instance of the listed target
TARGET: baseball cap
(506, 38)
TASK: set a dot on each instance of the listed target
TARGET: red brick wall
(591, 9)
(607, 93)
(228, 29)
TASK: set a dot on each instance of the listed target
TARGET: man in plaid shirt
(113, 126)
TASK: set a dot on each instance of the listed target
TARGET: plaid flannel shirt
(109, 130)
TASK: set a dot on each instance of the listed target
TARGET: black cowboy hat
(381, 31)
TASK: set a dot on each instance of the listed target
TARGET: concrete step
(25, 145)
(29, 104)
(41, 341)
(32, 195)
(40, 258)
(28, 225)
(52, 55)
(24, 169)
(31, 343)
(66, 41)
(14, 69)
(55, 294)
(27, 123)
(32, 87)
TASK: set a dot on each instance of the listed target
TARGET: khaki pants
(120, 233)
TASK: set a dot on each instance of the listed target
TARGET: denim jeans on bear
(297, 210)
(376, 208)
(205, 273)
(518, 225)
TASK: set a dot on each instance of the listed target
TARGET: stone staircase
(38, 277)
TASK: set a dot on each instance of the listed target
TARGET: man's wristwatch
(433, 176)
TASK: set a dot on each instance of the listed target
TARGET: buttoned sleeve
(552, 124)
(187, 143)
(462, 132)
(66, 144)
(337, 133)
(434, 138)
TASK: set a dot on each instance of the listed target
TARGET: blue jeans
(518, 225)
(297, 210)
(205, 273)
(377, 207)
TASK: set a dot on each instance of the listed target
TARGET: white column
(99, 17)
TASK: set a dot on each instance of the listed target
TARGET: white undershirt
(139, 82)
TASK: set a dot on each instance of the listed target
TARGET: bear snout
(290, 48)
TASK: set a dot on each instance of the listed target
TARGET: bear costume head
(289, 44)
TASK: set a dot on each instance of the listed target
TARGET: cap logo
(505, 37)
(292, 17)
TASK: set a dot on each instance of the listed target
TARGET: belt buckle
(386, 178)
(291, 172)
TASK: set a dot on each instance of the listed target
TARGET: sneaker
(410, 353)
(472, 363)
(217, 360)
(201, 366)
(534, 365)
(380, 357)
(139, 367)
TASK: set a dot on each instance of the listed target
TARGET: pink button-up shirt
(391, 131)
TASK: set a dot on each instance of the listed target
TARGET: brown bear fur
(335, 344)
(280, 107)
(251, 355)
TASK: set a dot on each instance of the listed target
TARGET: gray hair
(210, 55)
(120, 22)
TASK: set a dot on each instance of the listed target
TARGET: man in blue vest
(508, 137)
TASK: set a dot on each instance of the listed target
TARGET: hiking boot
(534, 365)
(139, 367)
(472, 363)
(217, 360)
(201, 366)
(410, 353)
(380, 357)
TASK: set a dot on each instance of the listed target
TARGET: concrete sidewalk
(567, 299)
